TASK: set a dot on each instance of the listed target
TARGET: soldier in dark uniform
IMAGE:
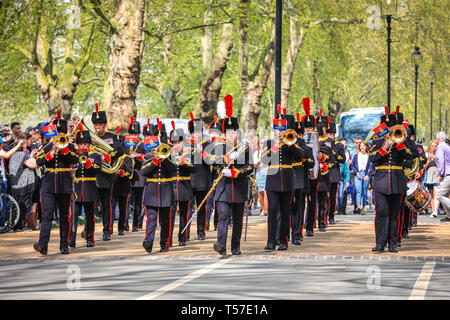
(338, 151)
(56, 191)
(328, 160)
(216, 137)
(407, 216)
(106, 180)
(301, 180)
(309, 124)
(234, 160)
(279, 157)
(121, 189)
(85, 189)
(389, 184)
(158, 194)
(137, 182)
(182, 187)
(201, 177)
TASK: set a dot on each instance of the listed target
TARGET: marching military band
(169, 172)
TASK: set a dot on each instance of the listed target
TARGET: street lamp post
(390, 9)
(416, 57)
(432, 74)
(278, 39)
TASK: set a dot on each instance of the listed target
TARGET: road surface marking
(421, 285)
(186, 279)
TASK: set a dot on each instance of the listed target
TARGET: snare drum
(417, 197)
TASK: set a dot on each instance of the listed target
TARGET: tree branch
(84, 60)
(96, 7)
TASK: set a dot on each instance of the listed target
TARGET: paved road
(211, 277)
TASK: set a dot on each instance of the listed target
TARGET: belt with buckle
(389, 168)
(58, 169)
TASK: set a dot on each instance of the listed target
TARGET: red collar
(82, 150)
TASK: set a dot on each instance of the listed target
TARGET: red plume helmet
(398, 110)
(386, 111)
(191, 115)
(228, 106)
(284, 110)
(306, 106)
(173, 124)
(159, 125)
(298, 119)
(80, 129)
(96, 107)
(118, 130)
(148, 121)
(215, 119)
(58, 114)
(131, 119)
(329, 121)
(279, 110)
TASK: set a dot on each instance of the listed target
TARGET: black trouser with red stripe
(312, 205)
(89, 221)
(297, 213)
(135, 202)
(164, 214)
(278, 202)
(50, 202)
(227, 211)
(104, 198)
(184, 207)
(322, 200)
(333, 200)
(201, 213)
(122, 201)
(386, 218)
(405, 220)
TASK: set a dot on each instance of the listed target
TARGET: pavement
(351, 236)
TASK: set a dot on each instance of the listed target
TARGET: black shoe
(106, 237)
(182, 243)
(399, 243)
(40, 249)
(219, 248)
(296, 242)
(322, 228)
(147, 246)
(236, 252)
(83, 234)
(277, 242)
(282, 247)
(72, 245)
(414, 224)
(207, 227)
(406, 236)
(393, 247)
(164, 249)
(309, 233)
(127, 228)
(90, 244)
(64, 250)
(135, 229)
(201, 237)
(121, 233)
(332, 221)
(378, 249)
(446, 219)
(270, 247)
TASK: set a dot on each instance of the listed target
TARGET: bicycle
(9, 211)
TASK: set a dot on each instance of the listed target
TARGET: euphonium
(289, 137)
(398, 134)
(162, 151)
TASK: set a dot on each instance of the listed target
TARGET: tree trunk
(316, 87)
(212, 84)
(126, 44)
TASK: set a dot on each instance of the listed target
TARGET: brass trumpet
(163, 151)
(289, 137)
(398, 134)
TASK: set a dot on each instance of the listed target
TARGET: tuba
(101, 147)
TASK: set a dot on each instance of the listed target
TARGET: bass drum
(417, 197)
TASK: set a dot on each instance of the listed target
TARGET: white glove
(226, 172)
(234, 155)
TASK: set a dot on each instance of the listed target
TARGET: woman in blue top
(362, 169)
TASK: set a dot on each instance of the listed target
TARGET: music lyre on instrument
(312, 141)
